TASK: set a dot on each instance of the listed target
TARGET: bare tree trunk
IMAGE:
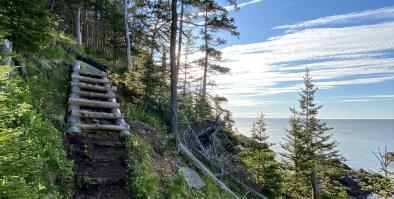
(85, 28)
(127, 35)
(6, 49)
(174, 78)
(204, 83)
(185, 71)
(315, 185)
(178, 61)
(95, 39)
(78, 34)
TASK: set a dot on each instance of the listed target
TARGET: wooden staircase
(99, 154)
(92, 104)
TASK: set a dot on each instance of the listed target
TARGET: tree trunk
(185, 71)
(6, 49)
(185, 151)
(78, 34)
(95, 33)
(178, 61)
(315, 185)
(204, 83)
(127, 35)
(174, 78)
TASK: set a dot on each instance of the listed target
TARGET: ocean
(357, 138)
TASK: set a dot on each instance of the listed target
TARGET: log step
(95, 87)
(93, 94)
(86, 73)
(89, 79)
(93, 103)
(96, 115)
(101, 127)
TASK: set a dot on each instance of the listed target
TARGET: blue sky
(347, 45)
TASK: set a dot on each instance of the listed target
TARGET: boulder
(192, 178)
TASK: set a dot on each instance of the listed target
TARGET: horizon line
(320, 118)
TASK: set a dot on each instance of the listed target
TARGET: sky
(347, 45)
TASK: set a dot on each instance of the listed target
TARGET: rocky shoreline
(354, 179)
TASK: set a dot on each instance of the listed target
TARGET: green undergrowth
(33, 163)
(138, 114)
(142, 181)
(101, 59)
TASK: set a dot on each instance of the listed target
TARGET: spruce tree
(260, 161)
(297, 183)
(260, 144)
(310, 150)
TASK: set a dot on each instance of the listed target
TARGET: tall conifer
(310, 151)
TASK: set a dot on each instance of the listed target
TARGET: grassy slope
(33, 163)
(154, 162)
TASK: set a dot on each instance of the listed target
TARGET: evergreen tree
(27, 24)
(310, 151)
(297, 182)
(260, 161)
(259, 144)
(215, 19)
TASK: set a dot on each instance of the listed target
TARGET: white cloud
(377, 14)
(336, 57)
(257, 69)
(359, 54)
(357, 100)
(230, 8)
(331, 84)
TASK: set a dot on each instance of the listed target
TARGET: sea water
(356, 138)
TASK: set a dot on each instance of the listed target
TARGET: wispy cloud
(348, 55)
(379, 14)
(230, 8)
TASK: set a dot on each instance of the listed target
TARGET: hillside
(107, 99)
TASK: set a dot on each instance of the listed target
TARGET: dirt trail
(99, 164)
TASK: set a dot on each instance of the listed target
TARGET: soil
(99, 165)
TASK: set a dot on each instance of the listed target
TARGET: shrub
(142, 181)
(177, 188)
(135, 113)
(33, 163)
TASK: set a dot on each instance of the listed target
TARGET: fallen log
(95, 87)
(94, 94)
(93, 103)
(86, 73)
(183, 149)
(101, 127)
(72, 107)
(96, 115)
(89, 79)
